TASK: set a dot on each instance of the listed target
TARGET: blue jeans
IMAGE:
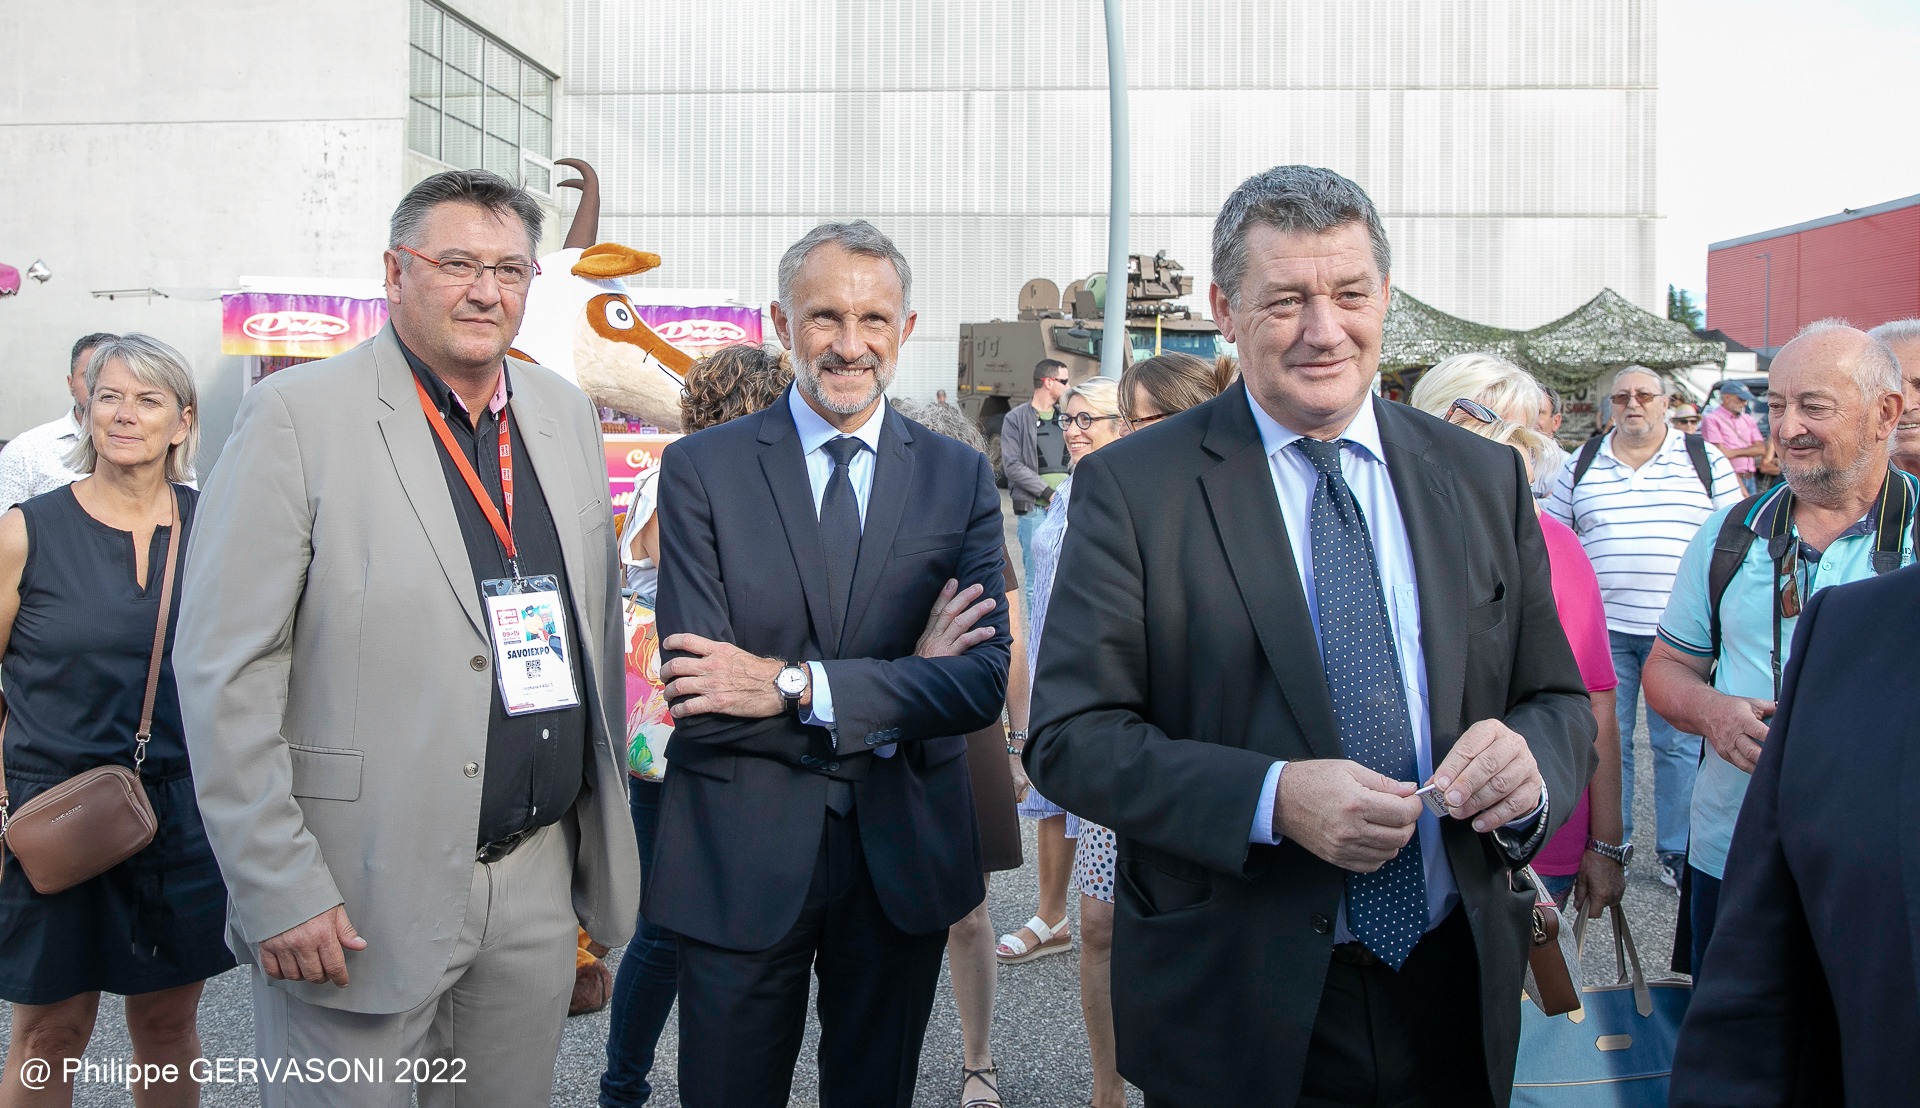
(1026, 525)
(643, 989)
(1704, 896)
(1676, 755)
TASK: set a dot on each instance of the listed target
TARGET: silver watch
(1622, 853)
(791, 684)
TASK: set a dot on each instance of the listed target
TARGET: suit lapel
(1240, 495)
(410, 445)
(786, 472)
(1424, 492)
(886, 503)
(540, 433)
(1909, 848)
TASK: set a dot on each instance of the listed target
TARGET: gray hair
(478, 187)
(1290, 198)
(1898, 330)
(1660, 382)
(1876, 371)
(155, 364)
(948, 421)
(857, 237)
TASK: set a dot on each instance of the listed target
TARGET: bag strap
(145, 734)
(1584, 460)
(1730, 548)
(1702, 465)
(1626, 956)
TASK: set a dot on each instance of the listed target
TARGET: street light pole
(1766, 308)
(1113, 335)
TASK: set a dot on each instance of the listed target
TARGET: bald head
(1834, 397)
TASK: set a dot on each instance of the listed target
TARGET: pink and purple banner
(297, 325)
(701, 331)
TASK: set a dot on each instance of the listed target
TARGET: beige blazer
(335, 681)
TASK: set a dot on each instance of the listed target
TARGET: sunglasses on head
(1474, 410)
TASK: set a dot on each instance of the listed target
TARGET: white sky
(1773, 112)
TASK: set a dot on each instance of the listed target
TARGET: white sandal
(1053, 940)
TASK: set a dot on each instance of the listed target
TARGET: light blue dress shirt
(815, 433)
(1363, 462)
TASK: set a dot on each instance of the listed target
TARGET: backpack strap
(1583, 462)
(1702, 467)
(1730, 548)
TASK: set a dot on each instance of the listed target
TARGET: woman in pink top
(1565, 865)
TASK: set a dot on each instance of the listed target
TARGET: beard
(807, 374)
(1820, 482)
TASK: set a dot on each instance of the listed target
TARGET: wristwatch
(1016, 737)
(1623, 853)
(791, 684)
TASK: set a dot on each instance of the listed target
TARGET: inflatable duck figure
(581, 324)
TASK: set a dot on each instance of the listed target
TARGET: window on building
(475, 104)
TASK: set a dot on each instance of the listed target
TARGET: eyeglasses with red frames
(465, 271)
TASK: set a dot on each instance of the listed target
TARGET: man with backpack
(1636, 496)
(1843, 514)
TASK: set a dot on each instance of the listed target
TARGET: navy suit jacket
(744, 802)
(1807, 994)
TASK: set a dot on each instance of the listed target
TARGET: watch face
(792, 681)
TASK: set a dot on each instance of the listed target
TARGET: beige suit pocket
(595, 515)
(324, 774)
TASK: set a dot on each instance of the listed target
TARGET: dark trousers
(1703, 896)
(1405, 1039)
(643, 989)
(742, 1013)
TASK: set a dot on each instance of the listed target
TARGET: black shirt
(537, 762)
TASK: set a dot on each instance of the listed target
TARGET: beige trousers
(488, 1035)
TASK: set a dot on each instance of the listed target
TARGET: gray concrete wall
(182, 145)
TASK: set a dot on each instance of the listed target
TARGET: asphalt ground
(1038, 1040)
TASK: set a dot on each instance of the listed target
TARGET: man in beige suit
(411, 806)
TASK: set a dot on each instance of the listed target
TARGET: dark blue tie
(840, 528)
(1386, 909)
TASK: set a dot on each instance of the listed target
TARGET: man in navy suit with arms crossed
(816, 812)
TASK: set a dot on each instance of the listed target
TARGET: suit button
(809, 760)
(471, 769)
(1322, 925)
(833, 767)
(479, 662)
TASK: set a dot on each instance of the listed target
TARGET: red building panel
(1861, 266)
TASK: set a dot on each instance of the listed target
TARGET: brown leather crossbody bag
(93, 821)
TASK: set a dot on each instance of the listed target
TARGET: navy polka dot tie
(1386, 909)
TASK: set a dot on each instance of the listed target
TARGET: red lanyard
(502, 528)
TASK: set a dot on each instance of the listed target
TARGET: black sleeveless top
(75, 669)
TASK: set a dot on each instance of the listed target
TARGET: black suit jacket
(744, 801)
(1179, 662)
(1807, 995)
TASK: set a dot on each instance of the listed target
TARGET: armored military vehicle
(997, 358)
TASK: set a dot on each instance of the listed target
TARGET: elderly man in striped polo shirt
(1635, 500)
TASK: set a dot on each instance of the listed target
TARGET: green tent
(1573, 354)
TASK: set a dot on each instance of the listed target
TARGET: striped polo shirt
(1636, 523)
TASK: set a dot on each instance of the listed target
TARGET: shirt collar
(1672, 439)
(1363, 430)
(445, 398)
(815, 431)
(72, 428)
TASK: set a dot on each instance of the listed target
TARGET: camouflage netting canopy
(1600, 336)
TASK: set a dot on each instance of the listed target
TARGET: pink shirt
(1576, 593)
(1732, 432)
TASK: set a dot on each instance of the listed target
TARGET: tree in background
(1682, 309)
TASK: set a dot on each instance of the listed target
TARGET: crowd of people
(1294, 682)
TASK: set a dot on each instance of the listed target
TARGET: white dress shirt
(35, 461)
(815, 433)
(1363, 462)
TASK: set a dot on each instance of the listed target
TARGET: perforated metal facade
(1510, 143)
